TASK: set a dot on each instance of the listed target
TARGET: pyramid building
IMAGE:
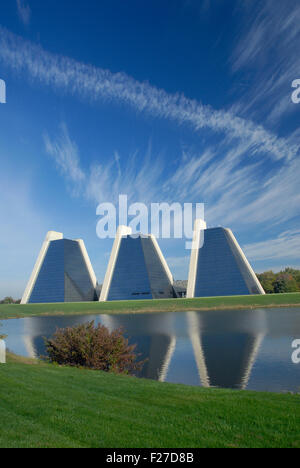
(62, 273)
(136, 269)
(218, 266)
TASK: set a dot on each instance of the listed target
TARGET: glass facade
(138, 272)
(78, 284)
(159, 281)
(219, 269)
(63, 276)
(49, 285)
(130, 277)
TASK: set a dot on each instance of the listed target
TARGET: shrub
(93, 347)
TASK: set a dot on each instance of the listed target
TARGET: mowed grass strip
(154, 305)
(43, 405)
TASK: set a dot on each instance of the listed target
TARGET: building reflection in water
(223, 357)
(226, 359)
(233, 348)
(218, 353)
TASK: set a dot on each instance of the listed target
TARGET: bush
(93, 347)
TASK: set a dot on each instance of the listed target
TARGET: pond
(239, 349)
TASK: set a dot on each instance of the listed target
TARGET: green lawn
(156, 305)
(42, 405)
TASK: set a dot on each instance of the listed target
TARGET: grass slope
(155, 305)
(43, 405)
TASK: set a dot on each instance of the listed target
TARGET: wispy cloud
(66, 156)
(235, 193)
(285, 246)
(88, 82)
(24, 11)
(260, 197)
(267, 48)
(139, 177)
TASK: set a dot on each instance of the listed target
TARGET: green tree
(8, 300)
(295, 274)
(285, 283)
(267, 280)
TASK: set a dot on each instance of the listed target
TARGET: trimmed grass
(155, 305)
(42, 405)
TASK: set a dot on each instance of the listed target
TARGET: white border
(199, 226)
(244, 259)
(162, 259)
(87, 262)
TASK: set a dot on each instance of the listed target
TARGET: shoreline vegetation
(45, 405)
(8, 311)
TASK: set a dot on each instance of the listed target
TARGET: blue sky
(182, 101)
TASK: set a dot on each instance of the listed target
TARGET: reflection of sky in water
(179, 371)
(274, 369)
(238, 349)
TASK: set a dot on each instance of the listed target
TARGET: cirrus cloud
(88, 82)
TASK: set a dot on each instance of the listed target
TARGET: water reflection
(223, 358)
(214, 348)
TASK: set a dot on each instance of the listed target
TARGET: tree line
(10, 300)
(285, 281)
